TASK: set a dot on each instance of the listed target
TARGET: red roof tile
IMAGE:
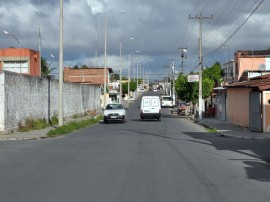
(262, 83)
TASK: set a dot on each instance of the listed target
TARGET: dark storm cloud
(159, 26)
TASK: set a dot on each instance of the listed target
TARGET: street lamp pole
(105, 64)
(39, 36)
(60, 104)
(137, 51)
(184, 50)
(173, 83)
(137, 85)
(7, 33)
(121, 89)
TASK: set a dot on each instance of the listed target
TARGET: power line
(238, 28)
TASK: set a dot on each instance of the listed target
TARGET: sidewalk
(230, 130)
(35, 134)
(40, 134)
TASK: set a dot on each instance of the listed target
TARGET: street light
(137, 51)
(60, 99)
(7, 33)
(49, 70)
(39, 38)
(184, 50)
(105, 65)
(120, 92)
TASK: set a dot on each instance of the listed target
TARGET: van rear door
(151, 104)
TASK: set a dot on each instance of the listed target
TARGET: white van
(150, 108)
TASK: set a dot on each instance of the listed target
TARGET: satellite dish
(262, 67)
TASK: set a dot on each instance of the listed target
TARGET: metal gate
(255, 120)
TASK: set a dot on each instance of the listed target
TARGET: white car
(166, 101)
(114, 112)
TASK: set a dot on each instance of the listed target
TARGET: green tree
(46, 71)
(116, 77)
(187, 91)
(190, 91)
(214, 73)
(207, 87)
(84, 67)
(133, 87)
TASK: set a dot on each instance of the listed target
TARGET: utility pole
(173, 88)
(201, 61)
(96, 38)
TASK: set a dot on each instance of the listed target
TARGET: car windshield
(167, 98)
(114, 106)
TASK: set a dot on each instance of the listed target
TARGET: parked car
(166, 101)
(114, 113)
(150, 108)
(182, 107)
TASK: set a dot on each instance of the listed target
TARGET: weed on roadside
(73, 126)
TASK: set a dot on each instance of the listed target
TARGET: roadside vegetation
(189, 91)
(73, 126)
(211, 130)
(36, 124)
(207, 128)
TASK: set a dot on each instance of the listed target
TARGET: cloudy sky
(161, 29)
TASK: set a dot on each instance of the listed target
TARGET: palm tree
(46, 71)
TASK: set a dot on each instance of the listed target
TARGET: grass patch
(31, 124)
(209, 129)
(73, 126)
(36, 124)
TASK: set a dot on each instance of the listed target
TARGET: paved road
(172, 160)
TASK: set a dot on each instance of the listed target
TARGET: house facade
(248, 103)
(234, 97)
(255, 62)
(20, 60)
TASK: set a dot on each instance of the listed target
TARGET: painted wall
(2, 101)
(23, 97)
(238, 106)
(249, 63)
(29, 60)
(266, 111)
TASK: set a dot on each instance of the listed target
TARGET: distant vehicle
(114, 113)
(166, 101)
(182, 107)
(141, 89)
(150, 108)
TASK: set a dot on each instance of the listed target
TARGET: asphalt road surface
(137, 161)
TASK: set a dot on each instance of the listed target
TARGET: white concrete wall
(2, 102)
(33, 98)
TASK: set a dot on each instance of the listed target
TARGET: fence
(25, 97)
